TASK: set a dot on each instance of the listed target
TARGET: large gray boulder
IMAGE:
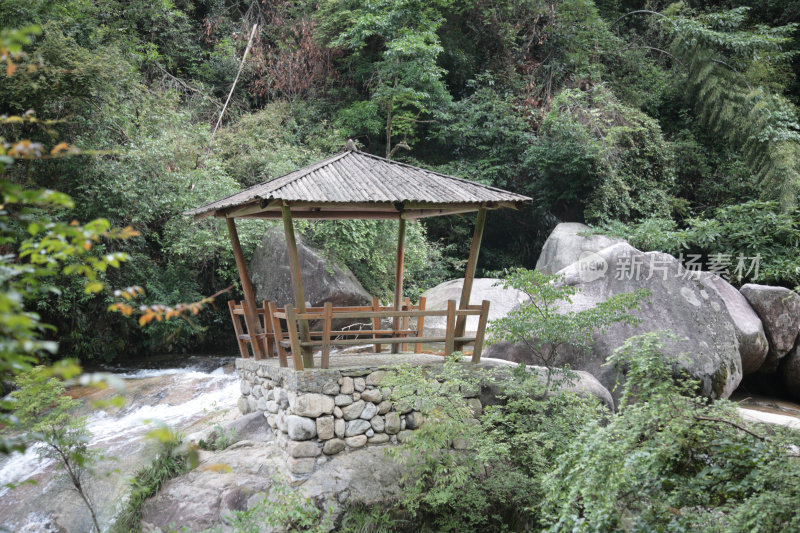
(707, 347)
(753, 345)
(779, 310)
(323, 280)
(580, 382)
(502, 301)
(567, 243)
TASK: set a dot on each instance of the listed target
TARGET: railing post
(276, 327)
(479, 335)
(420, 324)
(404, 321)
(376, 323)
(450, 328)
(251, 320)
(294, 339)
(269, 334)
(326, 334)
(237, 328)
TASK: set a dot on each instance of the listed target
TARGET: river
(185, 399)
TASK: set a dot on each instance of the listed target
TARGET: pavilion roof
(354, 184)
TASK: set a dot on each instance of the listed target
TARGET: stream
(186, 399)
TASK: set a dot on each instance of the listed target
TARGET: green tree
(544, 327)
(398, 40)
(42, 407)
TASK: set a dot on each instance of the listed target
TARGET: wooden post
(253, 325)
(276, 327)
(420, 324)
(269, 333)
(398, 276)
(479, 335)
(469, 275)
(376, 323)
(326, 334)
(291, 325)
(237, 328)
(449, 332)
(297, 283)
(404, 323)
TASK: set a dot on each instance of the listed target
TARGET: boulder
(779, 310)
(753, 345)
(502, 302)
(567, 243)
(323, 280)
(582, 383)
(707, 345)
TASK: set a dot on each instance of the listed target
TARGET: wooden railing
(275, 340)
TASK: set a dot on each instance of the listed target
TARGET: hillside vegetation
(673, 124)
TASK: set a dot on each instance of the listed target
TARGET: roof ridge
(455, 178)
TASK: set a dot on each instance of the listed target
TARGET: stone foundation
(317, 413)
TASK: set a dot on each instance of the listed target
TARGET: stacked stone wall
(318, 413)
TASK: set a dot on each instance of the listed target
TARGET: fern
(716, 54)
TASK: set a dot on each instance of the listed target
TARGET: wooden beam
(449, 331)
(294, 340)
(326, 336)
(398, 275)
(251, 319)
(326, 215)
(469, 275)
(477, 348)
(297, 282)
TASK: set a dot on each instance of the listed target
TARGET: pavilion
(354, 185)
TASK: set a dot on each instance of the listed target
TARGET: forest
(673, 124)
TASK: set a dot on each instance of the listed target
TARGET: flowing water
(185, 399)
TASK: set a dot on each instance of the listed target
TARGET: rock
(330, 388)
(384, 407)
(502, 302)
(404, 435)
(369, 411)
(377, 377)
(414, 419)
(353, 411)
(323, 280)
(753, 346)
(475, 407)
(378, 438)
(339, 427)
(262, 404)
(356, 396)
(337, 412)
(302, 466)
(372, 395)
(272, 406)
(357, 441)
(359, 384)
(313, 405)
(707, 346)
(243, 406)
(392, 423)
(325, 428)
(370, 433)
(303, 448)
(300, 428)
(245, 387)
(347, 386)
(779, 310)
(377, 423)
(567, 244)
(356, 427)
(333, 446)
(343, 399)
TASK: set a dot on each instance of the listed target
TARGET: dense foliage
(539, 461)
(632, 115)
